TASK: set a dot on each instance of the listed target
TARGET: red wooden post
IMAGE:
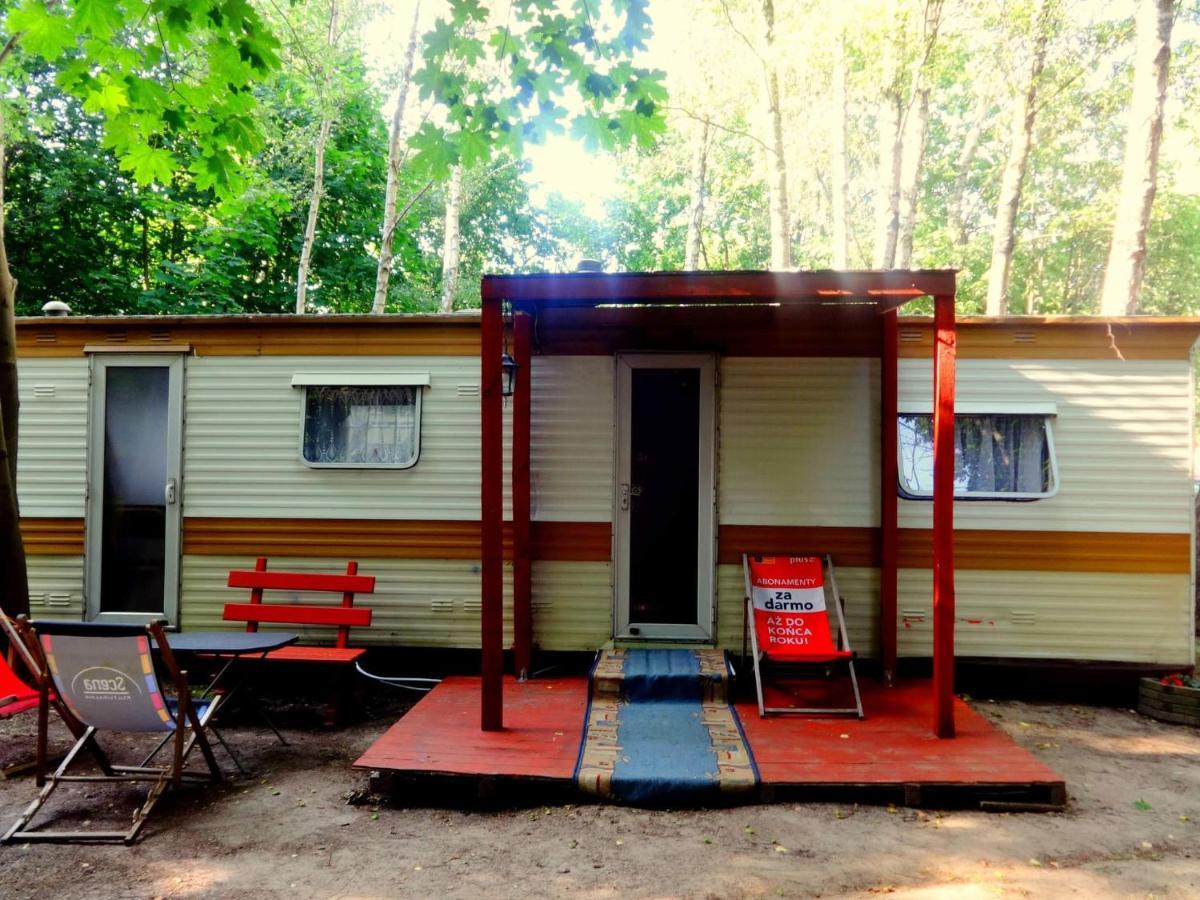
(944, 353)
(522, 565)
(889, 532)
(491, 617)
(256, 594)
(343, 634)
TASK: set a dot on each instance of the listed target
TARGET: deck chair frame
(757, 655)
(190, 731)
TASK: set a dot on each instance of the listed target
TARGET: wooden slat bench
(342, 617)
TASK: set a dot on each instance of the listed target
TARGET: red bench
(343, 617)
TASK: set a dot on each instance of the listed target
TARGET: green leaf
(109, 99)
(100, 17)
(149, 164)
(474, 148)
(435, 155)
(43, 34)
(1142, 806)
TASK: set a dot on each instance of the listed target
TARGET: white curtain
(372, 426)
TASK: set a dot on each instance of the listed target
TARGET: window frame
(1048, 413)
(417, 381)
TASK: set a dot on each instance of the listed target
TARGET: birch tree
(840, 157)
(912, 156)
(451, 239)
(396, 149)
(694, 240)
(1024, 114)
(777, 178)
(318, 185)
(1126, 266)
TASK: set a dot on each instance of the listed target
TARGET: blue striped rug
(661, 731)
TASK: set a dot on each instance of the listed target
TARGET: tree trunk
(451, 242)
(694, 243)
(781, 244)
(314, 199)
(840, 200)
(910, 175)
(887, 198)
(14, 579)
(1004, 231)
(314, 207)
(390, 219)
(962, 170)
(1127, 252)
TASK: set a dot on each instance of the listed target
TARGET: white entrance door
(665, 531)
(134, 462)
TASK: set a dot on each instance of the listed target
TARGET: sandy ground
(1132, 829)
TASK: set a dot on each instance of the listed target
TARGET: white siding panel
(858, 586)
(52, 462)
(572, 440)
(1054, 615)
(420, 603)
(1122, 435)
(798, 442)
(572, 605)
(242, 438)
(55, 587)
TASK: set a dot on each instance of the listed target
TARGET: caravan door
(135, 442)
(665, 497)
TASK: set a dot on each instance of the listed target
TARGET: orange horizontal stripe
(385, 539)
(988, 549)
(52, 537)
(991, 549)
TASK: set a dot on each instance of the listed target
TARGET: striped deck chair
(787, 611)
(105, 680)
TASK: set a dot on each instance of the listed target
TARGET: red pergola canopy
(708, 311)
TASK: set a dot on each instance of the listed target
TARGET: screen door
(665, 497)
(134, 458)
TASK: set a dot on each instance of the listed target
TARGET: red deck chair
(788, 605)
(16, 696)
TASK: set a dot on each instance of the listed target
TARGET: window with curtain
(361, 426)
(1002, 456)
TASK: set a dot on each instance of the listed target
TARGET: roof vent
(589, 265)
(55, 308)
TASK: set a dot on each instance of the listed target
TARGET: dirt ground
(1132, 829)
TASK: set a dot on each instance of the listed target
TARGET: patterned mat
(660, 730)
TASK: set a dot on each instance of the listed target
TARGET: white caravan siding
(1123, 437)
(799, 442)
(242, 443)
(52, 458)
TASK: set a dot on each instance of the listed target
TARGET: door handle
(169, 492)
(624, 501)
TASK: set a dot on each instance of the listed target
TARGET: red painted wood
(301, 581)
(892, 746)
(888, 287)
(296, 615)
(342, 655)
(343, 633)
(888, 516)
(256, 594)
(491, 620)
(543, 730)
(945, 348)
(521, 524)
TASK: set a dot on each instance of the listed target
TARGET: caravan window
(361, 425)
(999, 456)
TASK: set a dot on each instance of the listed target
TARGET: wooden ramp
(437, 753)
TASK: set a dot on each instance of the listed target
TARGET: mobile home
(159, 453)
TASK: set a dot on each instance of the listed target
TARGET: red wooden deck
(890, 756)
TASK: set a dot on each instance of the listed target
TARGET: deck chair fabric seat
(787, 614)
(105, 680)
